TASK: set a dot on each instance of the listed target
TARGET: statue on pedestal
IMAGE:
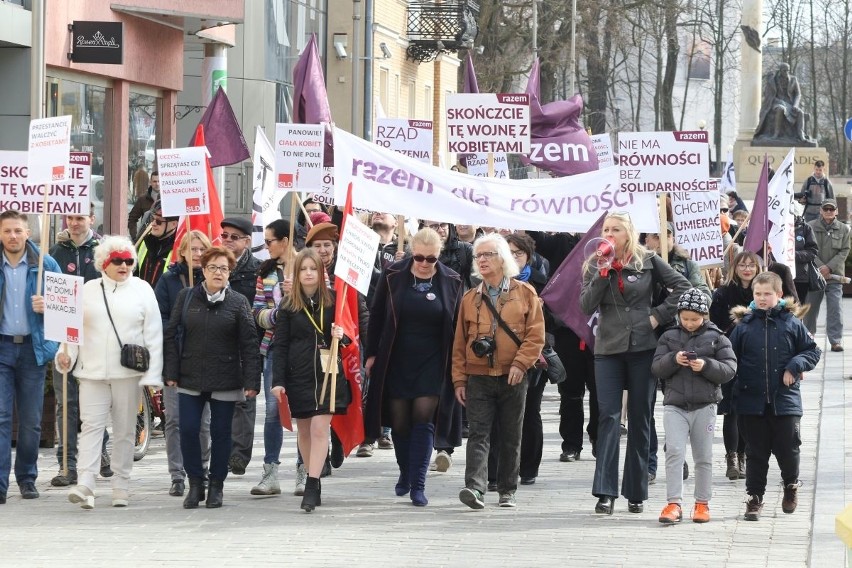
(782, 121)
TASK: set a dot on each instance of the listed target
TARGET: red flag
(349, 427)
(758, 223)
(209, 223)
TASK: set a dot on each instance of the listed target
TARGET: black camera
(483, 347)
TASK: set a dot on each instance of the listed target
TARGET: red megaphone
(605, 248)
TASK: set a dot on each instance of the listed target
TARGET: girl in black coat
(735, 292)
(304, 331)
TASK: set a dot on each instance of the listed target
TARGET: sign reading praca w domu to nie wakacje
(68, 197)
(63, 308)
(488, 123)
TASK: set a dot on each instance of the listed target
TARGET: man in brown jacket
(490, 366)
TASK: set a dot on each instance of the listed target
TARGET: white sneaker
(120, 498)
(269, 482)
(301, 479)
(443, 461)
(83, 496)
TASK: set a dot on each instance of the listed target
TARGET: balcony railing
(436, 27)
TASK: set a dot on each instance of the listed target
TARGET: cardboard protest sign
(477, 165)
(649, 162)
(696, 222)
(68, 197)
(48, 150)
(63, 308)
(603, 147)
(183, 181)
(356, 254)
(299, 156)
(410, 137)
(488, 123)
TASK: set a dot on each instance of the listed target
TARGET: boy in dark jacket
(773, 349)
(693, 359)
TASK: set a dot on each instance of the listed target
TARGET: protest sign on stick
(488, 123)
(183, 181)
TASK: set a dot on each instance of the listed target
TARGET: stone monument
(782, 121)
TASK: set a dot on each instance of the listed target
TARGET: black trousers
(766, 435)
(580, 365)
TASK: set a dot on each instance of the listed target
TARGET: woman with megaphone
(620, 279)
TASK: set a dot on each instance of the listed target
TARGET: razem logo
(193, 205)
(57, 173)
(285, 181)
(72, 335)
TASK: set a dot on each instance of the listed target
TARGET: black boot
(400, 448)
(311, 498)
(419, 451)
(214, 495)
(195, 494)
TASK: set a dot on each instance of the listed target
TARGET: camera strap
(487, 300)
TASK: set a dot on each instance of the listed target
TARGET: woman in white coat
(108, 390)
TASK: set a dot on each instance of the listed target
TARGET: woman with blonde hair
(409, 361)
(118, 309)
(175, 279)
(304, 330)
(623, 293)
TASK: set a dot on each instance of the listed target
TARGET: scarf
(524, 276)
(618, 267)
(217, 297)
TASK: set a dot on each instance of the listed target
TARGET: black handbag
(816, 281)
(134, 357)
(554, 368)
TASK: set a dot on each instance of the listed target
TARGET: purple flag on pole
(225, 140)
(310, 98)
(758, 224)
(562, 292)
(565, 147)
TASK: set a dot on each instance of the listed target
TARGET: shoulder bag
(134, 357)
(816, 281)
(548, 360)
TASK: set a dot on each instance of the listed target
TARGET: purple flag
(225, 140)
(560, 144)
(758, 224)
(310, 99)
(562, 292)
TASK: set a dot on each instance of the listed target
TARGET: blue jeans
(221, 416)
(613, 374)
(21, 384)
(273, 432)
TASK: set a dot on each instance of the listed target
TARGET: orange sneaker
(671, 514)
(701, 513)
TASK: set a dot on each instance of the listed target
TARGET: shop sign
(97, 42)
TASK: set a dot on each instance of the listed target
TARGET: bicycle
(150, 407)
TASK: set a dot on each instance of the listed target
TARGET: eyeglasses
(120, 261)
(232, 237)
(438, 226)
(218, 269)
(747, 266)
(270, 241)
(518, 253)
(484, 255)
(420, 258)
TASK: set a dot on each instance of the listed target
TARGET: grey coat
(624, 323)
(684, 387)
(833, 244)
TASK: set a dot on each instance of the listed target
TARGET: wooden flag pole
(43, 241)
(737, 234)
(143, 235)
(331, 370)
(65, 416)
(664, 231)
(490, 164)
(293, 204)
(188, 259)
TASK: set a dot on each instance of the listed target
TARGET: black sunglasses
(120, 261)
(420, 258)
(232, 237)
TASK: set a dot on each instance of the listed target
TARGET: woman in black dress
(303, 334)
(409, 360)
